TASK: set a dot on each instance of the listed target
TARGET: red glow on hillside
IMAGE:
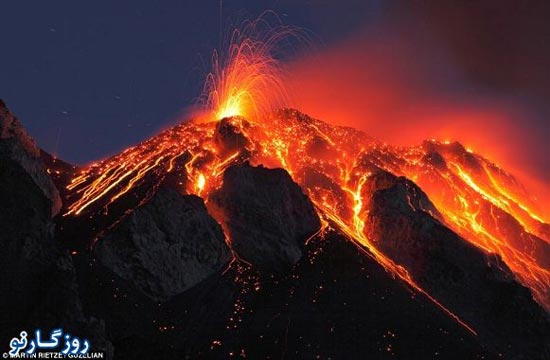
(400, 92)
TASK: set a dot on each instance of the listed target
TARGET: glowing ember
(246, 80)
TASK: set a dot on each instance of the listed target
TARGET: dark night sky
(101, 75)
(90, 78)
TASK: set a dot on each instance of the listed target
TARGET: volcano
(281, 238)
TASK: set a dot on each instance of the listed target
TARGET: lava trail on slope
(473, 196)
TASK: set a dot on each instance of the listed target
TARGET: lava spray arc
(243, 95)
(247, 76)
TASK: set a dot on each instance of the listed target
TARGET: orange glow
(489, 208)
(478, 199)
(247, 79)
(332, 164)
(201, 181)
(282, 140)
(395, 87)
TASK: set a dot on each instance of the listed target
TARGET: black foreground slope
(37, 277)
(335, 302)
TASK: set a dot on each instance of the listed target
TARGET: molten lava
(247, 79)
(477, 199)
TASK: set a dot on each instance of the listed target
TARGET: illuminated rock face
(165, 246)
(267, 215)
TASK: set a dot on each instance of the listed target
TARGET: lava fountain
(247, 78)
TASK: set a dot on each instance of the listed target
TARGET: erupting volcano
(458, 231)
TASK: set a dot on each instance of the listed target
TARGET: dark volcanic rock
(165, 246)
(37, 277)
(60, 172)
(407, 190)
(60, 306)
(16, 145)
(229, 135)
(26, 237)
(267, 215)
(477, 286)
(26, 229)
(335, 303)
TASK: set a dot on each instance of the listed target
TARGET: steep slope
(37, 276)
(165, 246)
(476, 285)
(267, 215)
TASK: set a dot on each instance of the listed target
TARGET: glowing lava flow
(478, 200)
(330, 207)
(482, 203)
(332, 164)
(201, 157)
(357, 234)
